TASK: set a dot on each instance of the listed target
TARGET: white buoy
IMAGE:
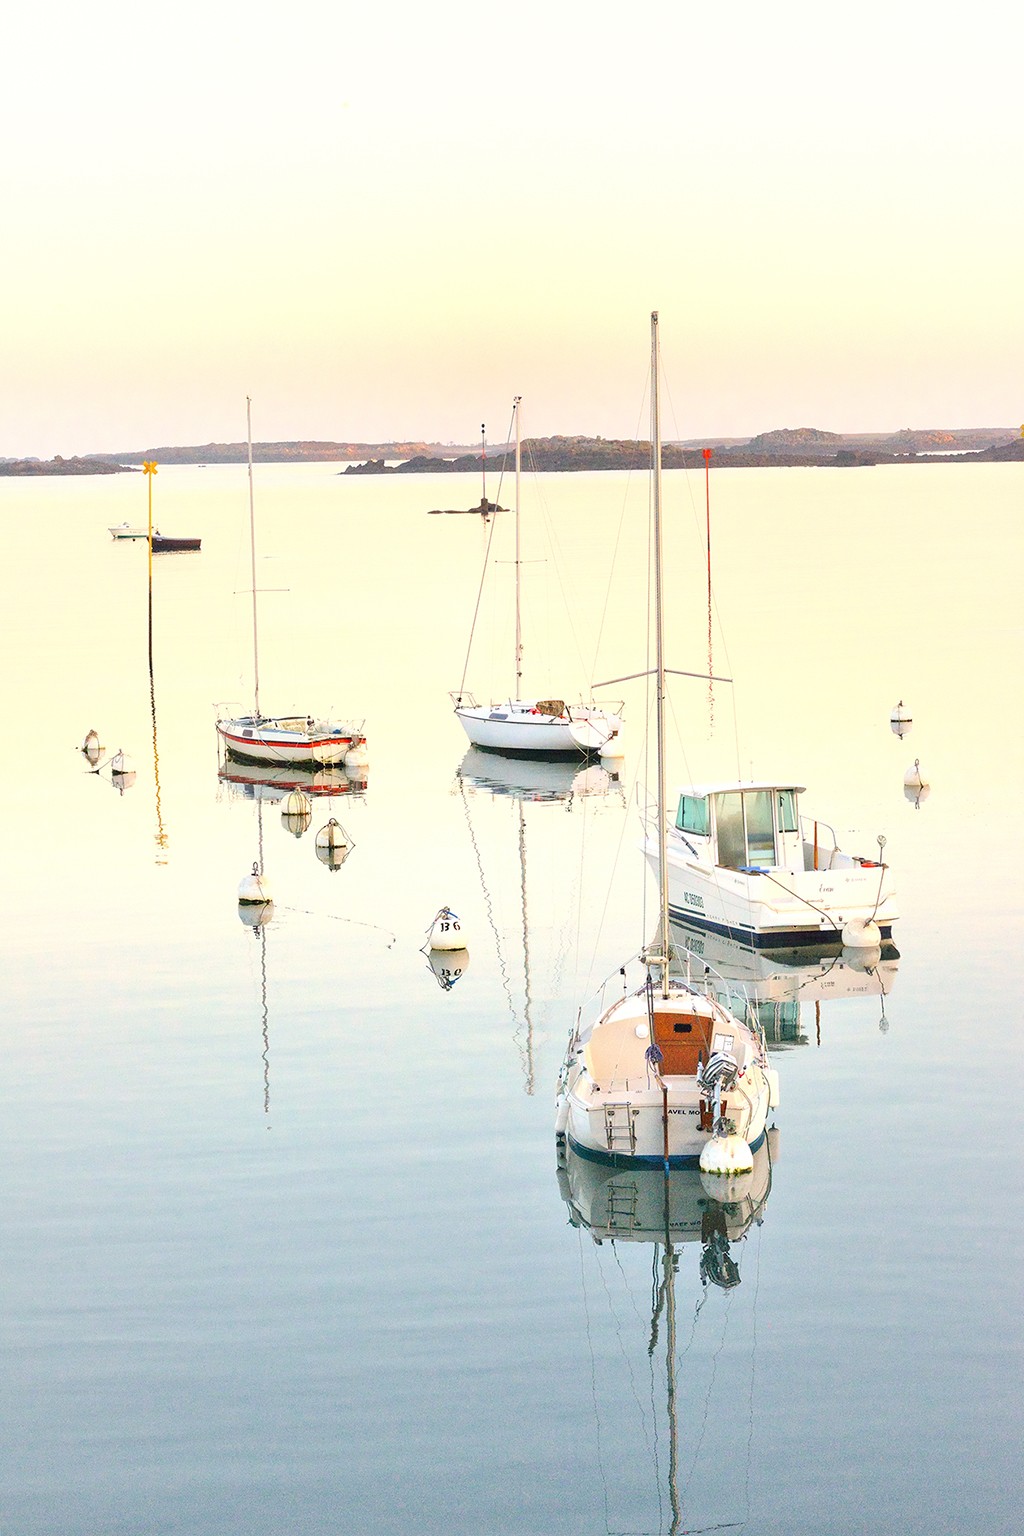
(446, 931)
(333, 844)
(92, 749)
(448, 965)
(861, 933)
(296, 812)
(916, 794)
(357, 756)
(121, 762)
(726, 1155)
(255, 914)
(900, 720)
(914, 778)
(862, 959)
(614, 748)
(727, 1188)
(254, 889)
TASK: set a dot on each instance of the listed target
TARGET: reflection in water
(524, 780)
(775, 984)
(670, 1210)
(266, 781)
(160, 837)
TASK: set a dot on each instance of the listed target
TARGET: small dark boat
(163, 543)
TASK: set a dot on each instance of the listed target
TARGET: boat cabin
(742, 826)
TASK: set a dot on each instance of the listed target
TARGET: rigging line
(488, 905)
(336, 917)
(483, 575)
(593, 1376)
(527, 1051)
(619, 1339)
(622, 518)
(557, 561)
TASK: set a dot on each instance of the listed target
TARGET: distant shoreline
(784, 448)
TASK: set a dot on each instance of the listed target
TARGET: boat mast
(661, 959)
(519, 632)
(252, 557)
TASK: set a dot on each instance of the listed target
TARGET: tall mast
(659, 622)
(519, 632)
(252, 555)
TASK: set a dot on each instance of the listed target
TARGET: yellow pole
(149, 470)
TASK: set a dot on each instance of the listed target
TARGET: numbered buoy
(254, 889)
(92, 749)
(861, 933)
(445, 931)
(900, 720)
(296, 812)
(726, 1155)
(914, 778)
(448, 966)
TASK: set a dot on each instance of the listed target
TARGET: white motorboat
(277, 739)
(535, 727)
(666, 1075)
(743, 862)
(126, 531)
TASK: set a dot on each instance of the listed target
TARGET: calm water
(284, 1243)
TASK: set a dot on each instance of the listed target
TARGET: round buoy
(862, 959)
(916, 794)
(92, 749)
(726, 1155)
(356, 756)
(614, 747)
(255, 914)
(333, 844)
(446, 931)
(121, 762)
(914, 778)
(295, 803)
(861, 933)
(448, 965)
(254, 889)
(728, 1188)
(900, 720)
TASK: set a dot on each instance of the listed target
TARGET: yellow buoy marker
(446, 931)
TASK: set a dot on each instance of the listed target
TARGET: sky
(383, 221)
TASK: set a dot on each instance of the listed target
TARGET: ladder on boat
(620, 1127)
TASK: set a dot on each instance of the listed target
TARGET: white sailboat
(533, 727)
(665, 1076)
(296, 738)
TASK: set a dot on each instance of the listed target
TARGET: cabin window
(785, 809)
(732, 844)
(692, 815)
(760, 830)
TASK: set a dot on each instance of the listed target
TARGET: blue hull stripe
(778, 938)
(625, 1160)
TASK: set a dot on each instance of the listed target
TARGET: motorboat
(663, 1075)
(744, 862)
(521, 726)
(165, 543)
(281, 739)
(127, 531)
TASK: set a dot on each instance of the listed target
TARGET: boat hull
(519, 731)
(251, 741)
(781, 908)
(163, 544)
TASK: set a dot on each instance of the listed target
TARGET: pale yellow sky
(386, 222)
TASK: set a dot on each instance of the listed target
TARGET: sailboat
(532, 727)
(666, 1076)
(298, 738)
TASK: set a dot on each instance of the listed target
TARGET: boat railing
(460, 699)
(815, 834)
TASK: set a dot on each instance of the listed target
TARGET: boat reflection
(263, 781)
(779, 983)
(535, 778)
(670, 1210)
